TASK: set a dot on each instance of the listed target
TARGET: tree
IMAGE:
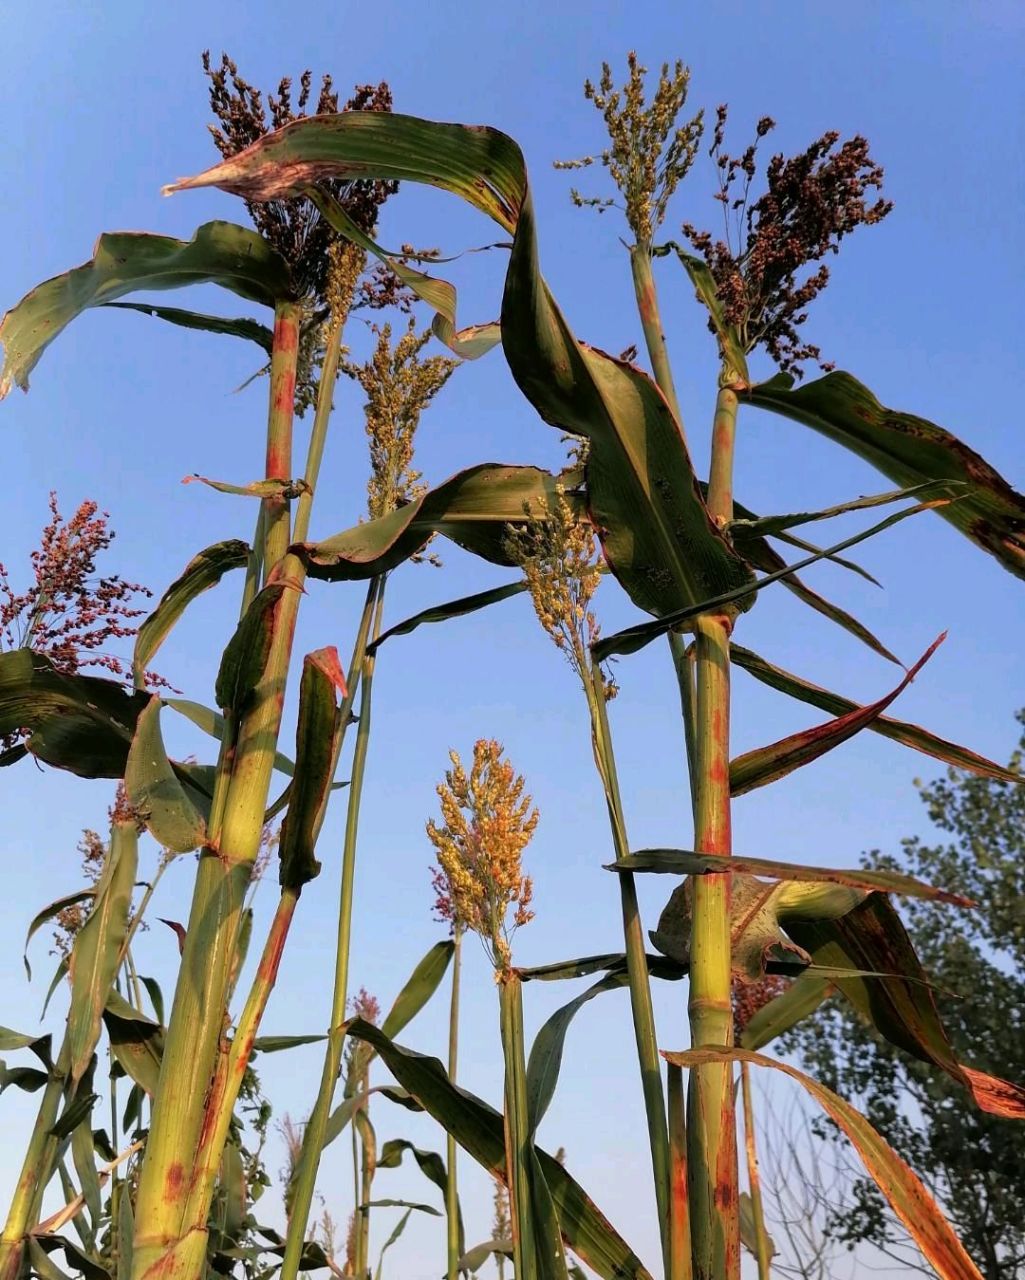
(970, 1160)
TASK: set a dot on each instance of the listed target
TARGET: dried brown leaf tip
(294, 226)
(487, 822)
(649, 150)
(810, 203)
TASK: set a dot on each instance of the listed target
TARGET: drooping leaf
(397, 1231)
(83, 724)
(910, 450)
(473, 1259)
(612, 963)
(682, 862)
(730, 347)
(545, 1059)
(402, 1204)
(452, 609)
(315, 737)
(96, 954)
(473, 509)
(126, 262)
(83, 1155)
(274, 488)
(80, 1261)
(908, 1198)
(75, 1112)
(251, 330)
(749, 1228)
(135, 1040)
(656, 532)
(49, 912)
(633, 639)
(431, 1165)
(154, 790)
(900, 1006)
(248, 651)
(155, 994)
(766, 525)
(200, 574)
(767, 764)
(911, 735)
(16, 1039)
(29, 1079)
(421, 985)
(479, 1130)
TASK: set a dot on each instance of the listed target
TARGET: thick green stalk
(195, 1037)
(651, 323)
(754, 1180)
(711, 1121)
(313, 1134)
(518, 1146)
(451, 1189)
(637, 967)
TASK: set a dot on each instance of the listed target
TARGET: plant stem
(637, 965)
(651, 323)
(313, 1134)
(711, 1123)
(753, 1177)
(680, 1263)
(175, 1151)
(518, 1147)
(451, 1188)
(366, 1179)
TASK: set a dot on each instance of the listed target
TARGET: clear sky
(104, 103)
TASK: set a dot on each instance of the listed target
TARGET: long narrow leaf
(910, 450)
(907, 1196)
(767, 764)
(421, 985)
(910, 735)
(452, 609)
(251, 330)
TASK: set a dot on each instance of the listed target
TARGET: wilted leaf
(908, 1198)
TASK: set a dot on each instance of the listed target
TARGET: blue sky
(106, 103)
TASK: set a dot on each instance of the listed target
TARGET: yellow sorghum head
(649, 153)
(399, 386)
(560, 564)
(488, 822)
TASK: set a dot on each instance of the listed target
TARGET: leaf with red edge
(767, 764)
(908, 1197)
(901, 1008)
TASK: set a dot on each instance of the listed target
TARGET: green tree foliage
(971, 1161)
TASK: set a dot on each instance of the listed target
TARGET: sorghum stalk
(177, 1150)
(651, 324)
(753, 1177)
(679, 1258)
(313, 1134)
(451, 1188)
(711, 1114)
(518, 1147)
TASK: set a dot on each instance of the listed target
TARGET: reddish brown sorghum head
(67, 612)
(749, 997)
(812, 200)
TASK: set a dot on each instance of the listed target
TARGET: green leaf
(633, 639)
(136, 1042)
(156, 996)
(29, 1079)
(473, 509)
(75, 1113)
(212, 722)
(908, 1198)
(83, 1154)
(452, 609)
(275, 1044)
(315, 737)
(799, 1001)
(473, 1259)
(49, 912)
(657, 534)
(251, 330)
(398, 1230)
(248, 652)
(79, 723)
(730, 347)
(154, 790)
(909, 734)
(16, 1040)
(422, 984)
(96, 954)
(749, 1228)
(200, 574)
(767, 764)
(612, 962)
(682, 862)
(81, 1262)
(545, 1058)
(126, 262)
(402, 1204)
(42, 1264)
(765, 525)
(125, 1232)
(479, 1130)
(900, 1006)
(910, 450)
(431, 1165)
